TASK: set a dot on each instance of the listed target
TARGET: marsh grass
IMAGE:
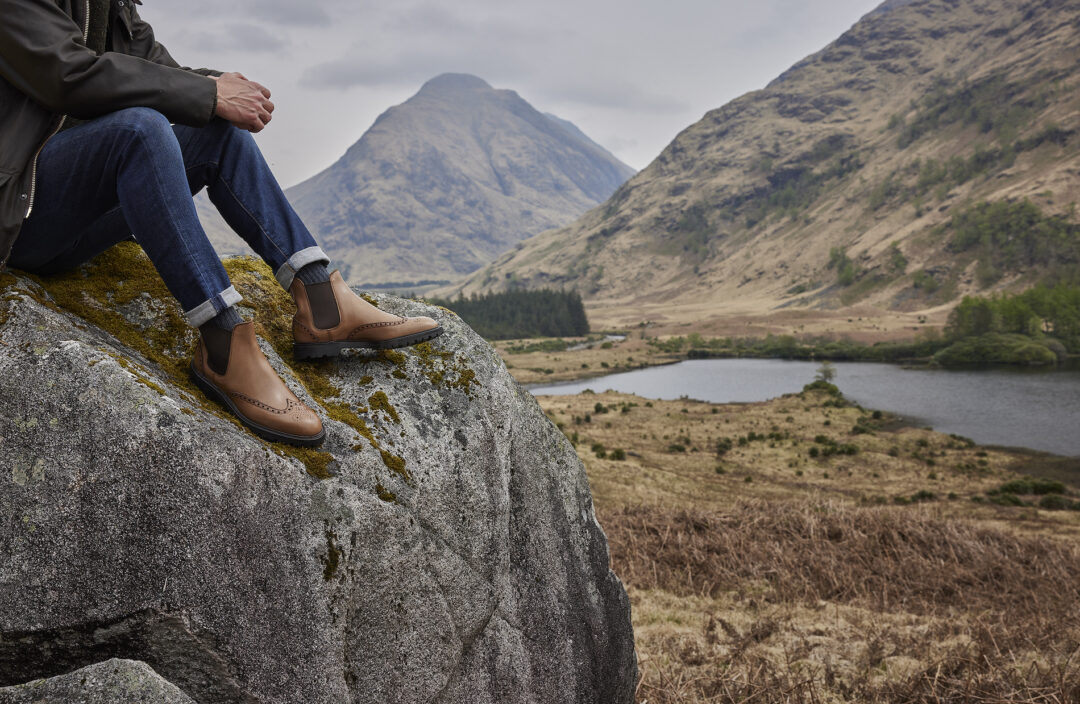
(780, 603)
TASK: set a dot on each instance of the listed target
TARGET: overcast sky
(630, 73)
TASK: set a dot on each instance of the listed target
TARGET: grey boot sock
(314, 273)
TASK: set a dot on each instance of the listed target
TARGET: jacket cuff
(210, 101)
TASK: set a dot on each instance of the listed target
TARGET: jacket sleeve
(147, 47)
(42, 55)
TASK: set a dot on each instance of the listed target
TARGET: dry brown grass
(832, 603)
(784, 578)
(880, 558)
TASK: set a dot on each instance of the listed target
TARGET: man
(88, 158)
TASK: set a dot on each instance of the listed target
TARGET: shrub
(1055, 502)
(820, 385)
(997, 348)
(1037, 487)
(723, 445)
(618, 454)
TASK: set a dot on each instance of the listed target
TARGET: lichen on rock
(440, 547)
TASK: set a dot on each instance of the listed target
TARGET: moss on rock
(380, 402)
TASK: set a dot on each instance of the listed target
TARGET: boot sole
(262, 431)
(315, 350)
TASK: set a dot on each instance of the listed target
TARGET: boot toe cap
(305, 422)
(421, 324)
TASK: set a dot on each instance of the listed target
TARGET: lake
(1033, 408)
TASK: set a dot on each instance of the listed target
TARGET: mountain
(446, 181)
(928, 152)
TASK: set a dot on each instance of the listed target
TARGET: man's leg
(228, 162)
(122, 173)
(330, 317)
(118, 175)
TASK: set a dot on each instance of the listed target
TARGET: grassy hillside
(928, 153)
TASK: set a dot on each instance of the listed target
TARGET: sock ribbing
(314, 273)
(225, 320)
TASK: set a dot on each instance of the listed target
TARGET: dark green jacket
(47, 73)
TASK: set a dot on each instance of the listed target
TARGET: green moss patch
(396, 465)
(138, 372)
(316, 462)
(380, 402)
(385, 494)
(343, 413)
(333, 556)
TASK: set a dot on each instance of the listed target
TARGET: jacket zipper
(33, 167)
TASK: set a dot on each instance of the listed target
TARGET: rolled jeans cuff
(208, 309)
(298, 261)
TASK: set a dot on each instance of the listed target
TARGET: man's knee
(148, 127)
(142, 120)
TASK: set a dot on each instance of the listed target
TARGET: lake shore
(548, 360)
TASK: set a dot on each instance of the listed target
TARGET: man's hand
(244, 103)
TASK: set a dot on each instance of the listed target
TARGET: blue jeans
(131, 173)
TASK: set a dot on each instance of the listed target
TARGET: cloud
(287, 12)
(365, 68)
(242, 38)
(616, 94)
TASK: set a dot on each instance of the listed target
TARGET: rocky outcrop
(110, 682)
(441, 547)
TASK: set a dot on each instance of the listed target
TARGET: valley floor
(712, 318)
(805, 550)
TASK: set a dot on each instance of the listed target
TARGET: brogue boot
(330, 317)
(239, 377)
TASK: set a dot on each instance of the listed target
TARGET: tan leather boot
(250, 388)
(330, 318)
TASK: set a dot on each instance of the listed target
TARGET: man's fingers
(268, 106)
(262, 89)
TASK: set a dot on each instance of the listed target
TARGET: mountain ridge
(742, 212)
(442, 183)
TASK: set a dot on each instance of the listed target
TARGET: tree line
(1044, 310)
(516, 314)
